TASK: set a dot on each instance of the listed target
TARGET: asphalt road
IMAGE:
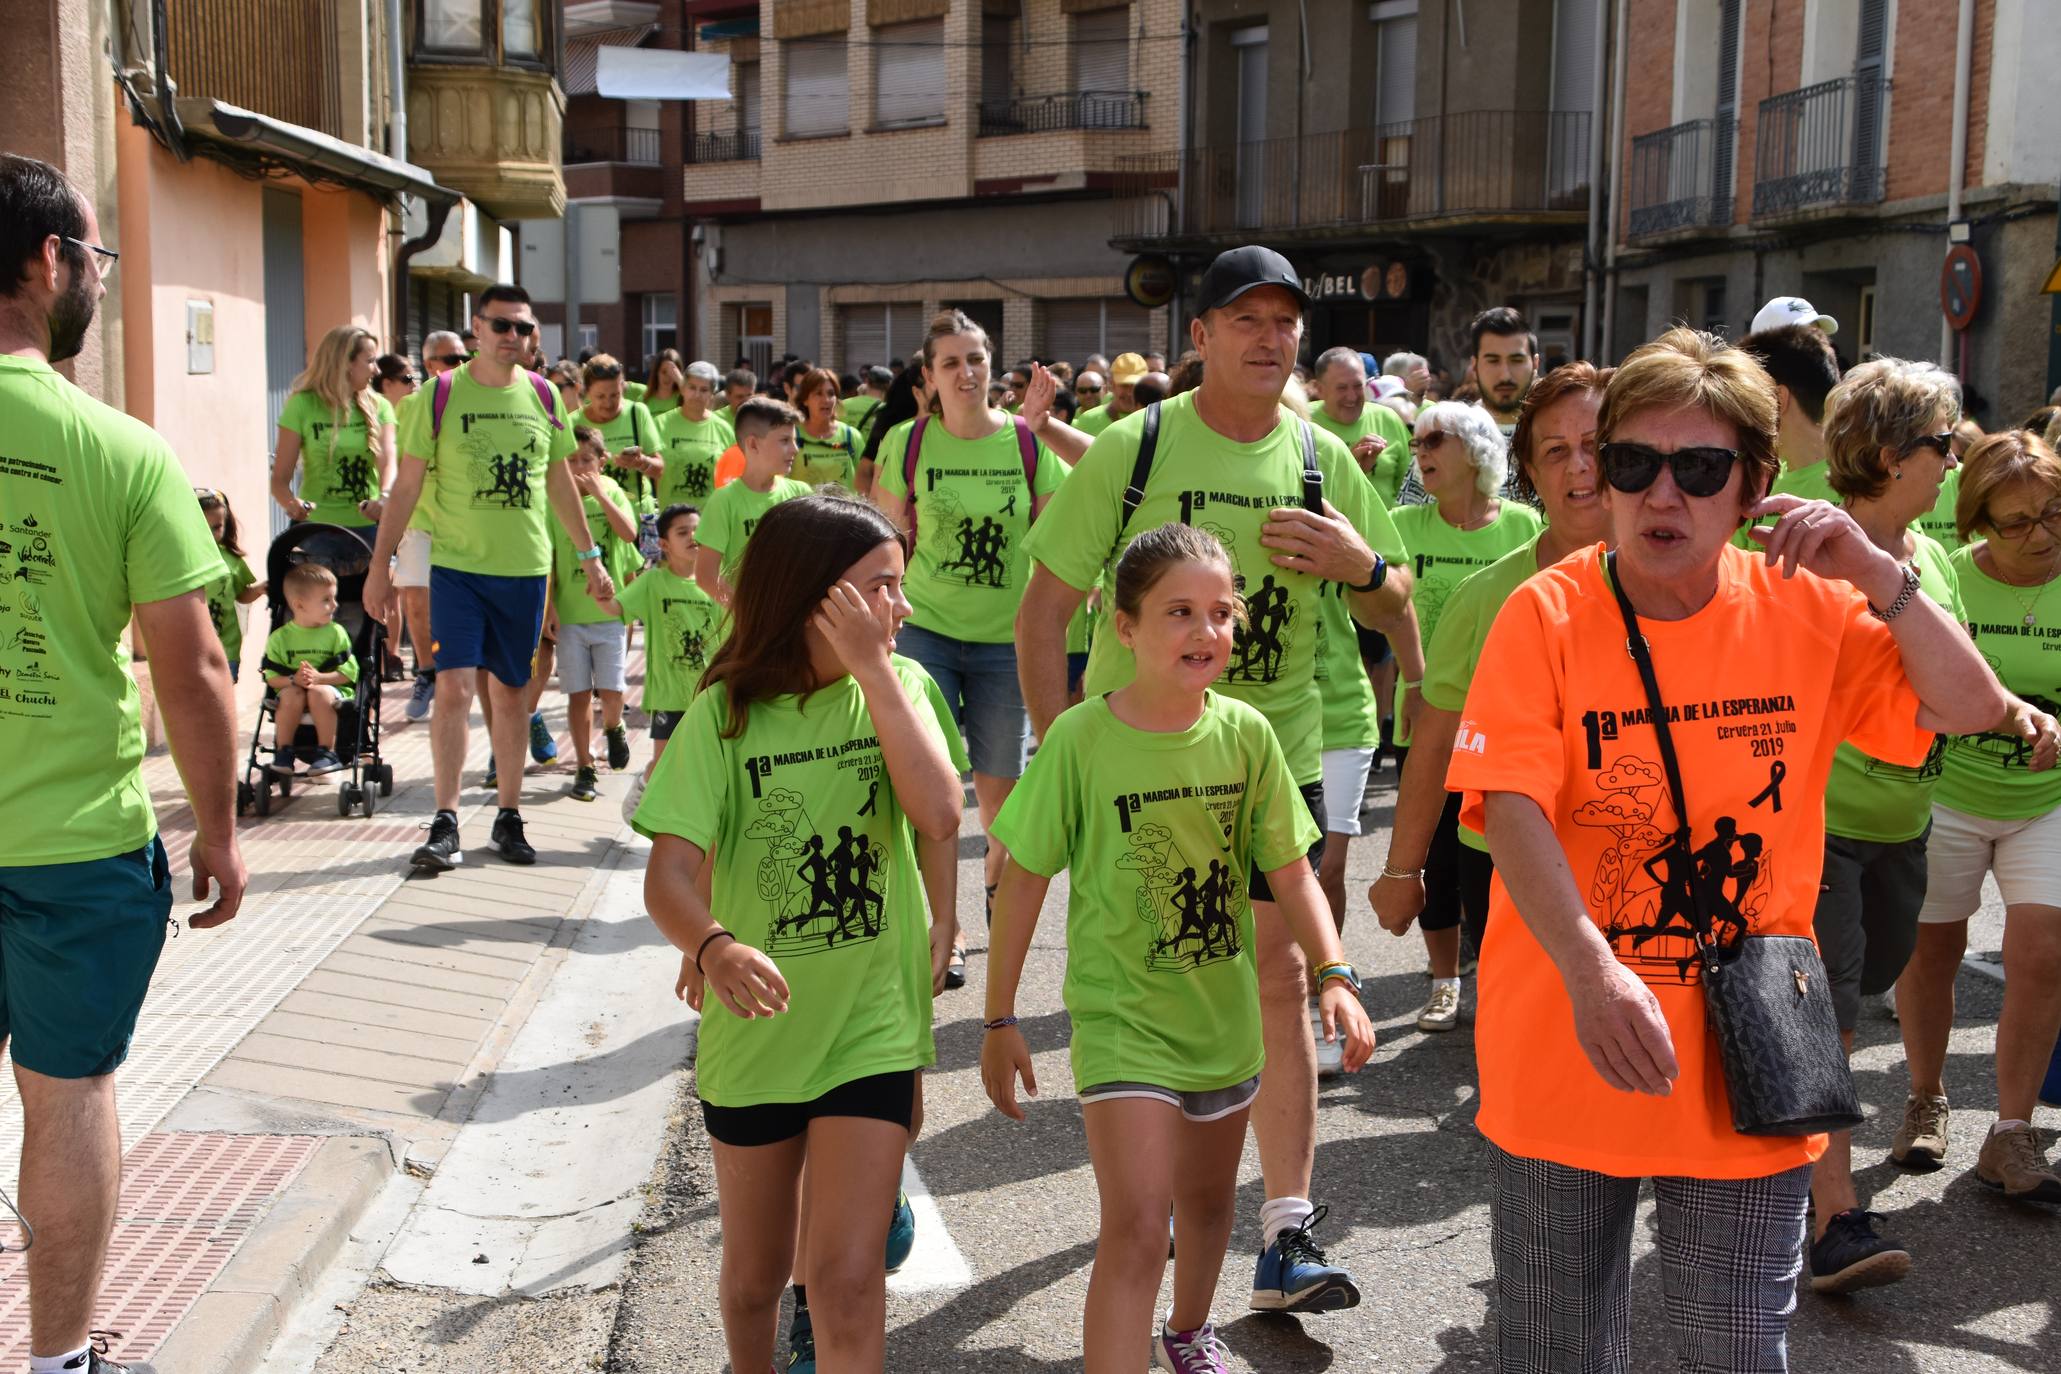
(1404, 1175)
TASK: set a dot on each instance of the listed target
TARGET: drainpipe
(397, 148)
(1964, 51)
(167, 113)
(1177, 212)
(1592, 250)
(1617, 84)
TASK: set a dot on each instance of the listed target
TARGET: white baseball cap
(1385, 387)
(1791, 310)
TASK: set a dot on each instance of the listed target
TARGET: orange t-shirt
(1761, 685)
(730, 466)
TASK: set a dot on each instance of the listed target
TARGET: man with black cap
(1300, 522)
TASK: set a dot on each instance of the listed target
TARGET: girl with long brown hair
(339, 432)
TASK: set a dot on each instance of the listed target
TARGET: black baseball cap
(1238, 270)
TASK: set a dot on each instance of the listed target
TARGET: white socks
(1278, 1214)
(57, 1364)
(1453, 983)
(2002, 1126)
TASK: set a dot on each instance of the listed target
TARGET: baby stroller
(348, 554)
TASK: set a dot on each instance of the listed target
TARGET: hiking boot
(1293, 1276)
(2013, 1163)
(440, 854)
(1921, 1141)
(1850, 1256)
(420, 700)
(618, 748)
(585, 786)
(543, 748)
(1442, 1012)
(1330, 1054)
(1189, 1352)
(508, 838)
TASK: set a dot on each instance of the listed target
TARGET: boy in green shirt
(308, 662)
(590, 637)
(766, 431)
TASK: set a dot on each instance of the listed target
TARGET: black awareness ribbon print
(873, 796)
(1772, 793)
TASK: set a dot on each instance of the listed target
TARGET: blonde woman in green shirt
(339, 433)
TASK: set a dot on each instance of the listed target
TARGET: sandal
(955, 969)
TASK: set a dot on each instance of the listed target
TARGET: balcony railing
(1489, 162)
(1821, 146)
(1681, 177)
(1037, 114)
(272, 58)
(738, 145)
(636, 146)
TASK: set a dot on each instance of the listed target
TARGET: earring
(1898, 474)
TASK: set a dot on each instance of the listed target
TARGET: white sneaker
(1888, 1000)
(632, 798)
(1442, 1012)
(1331, 1055)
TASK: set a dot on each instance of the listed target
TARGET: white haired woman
(1462, 460)
(692, 438)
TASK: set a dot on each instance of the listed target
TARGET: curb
(231, 1325)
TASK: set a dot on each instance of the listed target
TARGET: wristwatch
(1374, 579)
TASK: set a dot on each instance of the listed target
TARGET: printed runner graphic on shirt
(1191, 902)
(968, 550)
(350, 476)
(829, 891)
(697, 477)
(687, 620)
(2004, 751)
(1261, 645)
(28, 562)
(500, 481)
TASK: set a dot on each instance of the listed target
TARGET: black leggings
(1456, 879)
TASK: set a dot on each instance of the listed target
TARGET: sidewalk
(342, 1027)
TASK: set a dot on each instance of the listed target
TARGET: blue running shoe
(1292, 1275)
(801, 1344)
(543, 748)
(901, 1233)
(425, 693)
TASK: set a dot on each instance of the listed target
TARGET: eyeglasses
(522, 328)
(104, 258)
(1697, 471)
(2020, 526)
(1430, 441)
(1943, 443)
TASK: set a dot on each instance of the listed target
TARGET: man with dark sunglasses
(477, 450)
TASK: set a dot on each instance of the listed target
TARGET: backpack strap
(1027, 447)
(1141, 473)
(1312, 475)
(439, 397)
(915, 446)
(545, 399)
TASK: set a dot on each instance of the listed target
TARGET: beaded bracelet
(998, 1023)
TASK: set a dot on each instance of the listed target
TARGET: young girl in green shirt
(803, 774)
(237, 586)
(1160, 800)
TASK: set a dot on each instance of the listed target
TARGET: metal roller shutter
(819, 90)
(909, 73)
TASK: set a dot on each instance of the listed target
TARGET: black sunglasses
(1942, 444)
(450, 359)
(523, 328)
(1698, 471)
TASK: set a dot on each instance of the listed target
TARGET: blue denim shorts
(477, 620)
(980, 687)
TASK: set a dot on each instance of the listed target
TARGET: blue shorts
(980, 687)
(477, 620)
(78, 943)
(1076, 670)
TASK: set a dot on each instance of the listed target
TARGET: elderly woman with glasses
(1598, 1067)
(1997, 811)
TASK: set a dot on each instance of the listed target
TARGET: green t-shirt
(973, 512)
(857, 411)
(1442, 556)
(485, 483)
(1393, 463)
(1097, 420)
(1938, 523)
(96, 516)
(634, 391)
(682, 627)
(338, 469)
(325, 648)
(1157, 833)
(418, 519)
(1352, 718)
(815, 865)
(691, 448)
(735, 511)
(632, 427)
(823, 461)
(222, 604)
(570, 597)
(1227, 488)
(1989, 775)
(660, 406)
(1887, 803)
(1811, 483)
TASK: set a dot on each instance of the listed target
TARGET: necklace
(2029, 606)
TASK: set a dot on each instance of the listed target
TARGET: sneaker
(282, 761)
(2013, 1163)
(493, 778)
(1442, 1012)
(1850, 1256)
(585, 787)
(424, 694)
(1331, 1054)
(543, 748)
(441, 853)
(901, 1233)
(801, 1344)
(324, 761)
(98, 1363)
(1293, 1276)
(1190, 1352)
(632, 798)
(1921, 1142)
(508, 838)
(618, 748)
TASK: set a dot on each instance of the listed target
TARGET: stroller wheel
(383, 774)
(245, 793)
(347, 797)
(261, 797)
(368, 801)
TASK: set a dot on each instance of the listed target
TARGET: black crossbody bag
(1767, 997)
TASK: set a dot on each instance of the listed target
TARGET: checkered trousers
(1730, 1252)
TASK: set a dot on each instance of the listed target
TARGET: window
(819, 87)
(909, 74)
(997, 60)
(590, 338)
(747, 103)
(755, 337)
(516, 31)
(1864, 333)
(453, 25)
(872, 334)
(1102, 51)
(1076, 328)
(660, 324)
(522, 29)
(1249, 50)
(1395, 60)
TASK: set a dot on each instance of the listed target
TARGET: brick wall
(1649, 84)
(1921, 116)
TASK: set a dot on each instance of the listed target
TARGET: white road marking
(935, 1263)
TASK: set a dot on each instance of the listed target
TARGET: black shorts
(1456, 878)
(1313, 798)
(1867, 917)
(1374, 650)
(880, 1097)
(663, 723)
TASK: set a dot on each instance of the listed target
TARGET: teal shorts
(78, 943)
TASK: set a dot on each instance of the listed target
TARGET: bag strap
(1141, 472)
(439, 397)
(1027, 447)
(1312, 475)
(915, 446)
(545, 399)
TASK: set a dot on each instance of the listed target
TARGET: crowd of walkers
(1715, 684)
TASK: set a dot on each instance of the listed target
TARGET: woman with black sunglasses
(1597, 1065)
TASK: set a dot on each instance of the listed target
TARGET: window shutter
(1126, 327)
(865, 336)
(1395, 82)
(1073, 330)
(1102, 51)
(1576, 51)
(819, 93)
(909, 85)
(905, 326)
(1725, 126)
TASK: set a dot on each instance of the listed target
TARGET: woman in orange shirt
(1597, 1067)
